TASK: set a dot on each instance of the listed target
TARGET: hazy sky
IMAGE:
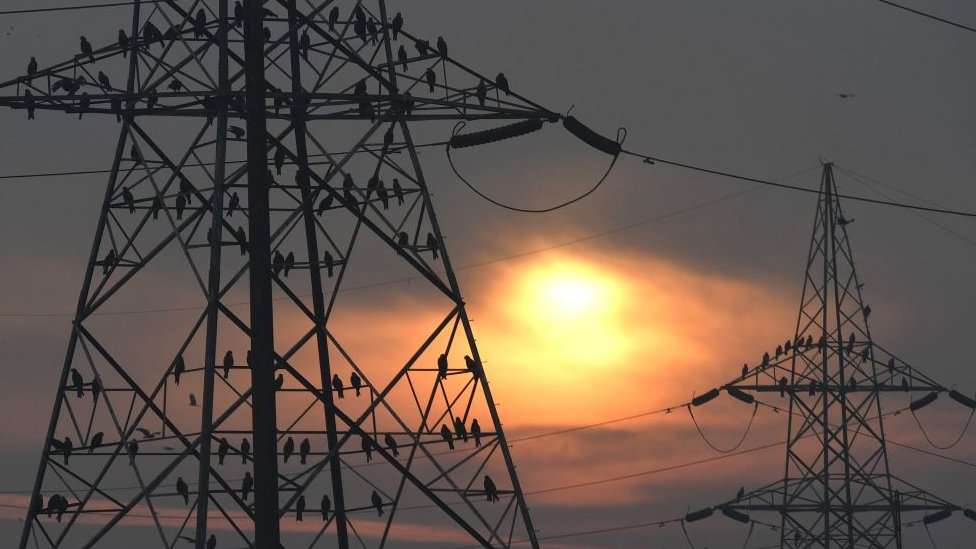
(749, 87)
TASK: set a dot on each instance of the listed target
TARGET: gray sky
(749, 87)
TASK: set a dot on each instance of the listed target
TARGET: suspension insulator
(923, 402)
(492, 135)
(699, 515)
(936, 517)
(962, 399)
(705, 398)
(740, 395)
(590, 137)
(970, 514)
(736, 515)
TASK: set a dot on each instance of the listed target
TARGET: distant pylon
(838, 490)
(242, 429)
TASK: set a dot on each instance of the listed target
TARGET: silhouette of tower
(838, 490)
(267, 152)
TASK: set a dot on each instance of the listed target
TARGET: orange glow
(571, 311)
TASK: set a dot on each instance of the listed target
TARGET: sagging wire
(951, 445)
(745, 435)
(684, 530)
(574, 126)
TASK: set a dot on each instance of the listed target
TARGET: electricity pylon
(838, 490)
(268, 148)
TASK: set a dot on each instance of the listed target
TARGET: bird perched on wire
(377, 503)
(123, 43)
(442, 46)
(104, 82)
(78, 382)
(86, 49)
(31, 69)
(183, 490)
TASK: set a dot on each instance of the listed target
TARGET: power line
(867, 182)
(470, 266)
(653, 159)
(78, 7)
(928, 15)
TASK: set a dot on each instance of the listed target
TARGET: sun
(570, 313)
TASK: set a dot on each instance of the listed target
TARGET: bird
(123, 43)
(67, 446)
(377, 503)
(398, 191)
(178, 368)
(433, 244)
(31, 69)
(289, 263)
(476, 432)
(129, 199)
(78, 382)
(222, 448)
(431, 78)
(442, 366)
(246, 485)
(460, 429)
(329, 264)
(133, 450)
(357, 382)
(228, 363)
(86, 49)
(326, 506)
(245, 450)
(481, 92)
(277, 263)
(183, 490)
(303, 450)
(96, 441)
(288, 449)
(337, 385)
(397, 25)
(391, 443)
(447, 436)
(200, 24)
(367, 445)
(333, 17)
(96, 387)
(501, 81)
(299, 508)
(491, 491)
(212, 542)
(104, 82)
(242, 240)
(739, 495)
(846, 95)
(193, 400)
(471, 364)
(441, 46)
(235, 203)
(402, 56)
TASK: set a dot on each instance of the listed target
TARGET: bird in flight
(846, 95)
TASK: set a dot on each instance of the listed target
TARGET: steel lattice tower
(319, 99)
(838, 490)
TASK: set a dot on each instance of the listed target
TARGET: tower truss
(267, 152)
(838, 490)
